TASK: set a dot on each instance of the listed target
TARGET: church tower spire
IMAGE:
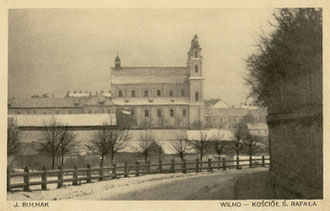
(117, 62)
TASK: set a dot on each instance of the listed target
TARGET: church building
(161, 97)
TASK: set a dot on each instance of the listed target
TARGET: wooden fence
(78, 175)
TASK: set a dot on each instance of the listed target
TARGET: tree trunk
(62, 156)
(112, 157)
(201, 159)
(145, 158)
(102, 159)
(53, 160)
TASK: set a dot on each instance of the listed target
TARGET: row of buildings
(155, 97)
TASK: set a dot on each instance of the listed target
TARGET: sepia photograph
(164, 104)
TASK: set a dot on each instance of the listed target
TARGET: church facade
(161, 97)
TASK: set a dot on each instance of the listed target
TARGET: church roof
(154, 101)
(149, 80)
(149, 71)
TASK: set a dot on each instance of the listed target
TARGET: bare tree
(49, 140)
(181, 145)
(13, 143)
(252, 144)
(238, 135)
(219, 144)
(146, 145)
(202, 145)
(67, 144)
(108, 140)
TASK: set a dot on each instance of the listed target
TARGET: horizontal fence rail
(78, 176)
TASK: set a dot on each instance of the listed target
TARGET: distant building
(162, 96)
(258, 129)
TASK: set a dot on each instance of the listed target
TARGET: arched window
(170, 93)
(196, 96)
(184, 112)
(120, 93)
(196, 54)
(171, 112)
(182, 93)
(158, 93)
(159, 113)
(133, 93)
(146, 93)
(146, 112)
(196, 68)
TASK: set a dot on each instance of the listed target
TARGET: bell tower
(117, 63)
(196, 89)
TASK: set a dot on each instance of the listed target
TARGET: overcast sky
(52, 51)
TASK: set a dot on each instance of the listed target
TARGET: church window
(196, 68)
(196, 96)
(184, 112)
(146, 93)
(172, 113)
(196, 54)
(133, 93)
(120, 93)
(146, 112)
(182, 93)
(158, 93)
(159, 113)
(171, 93)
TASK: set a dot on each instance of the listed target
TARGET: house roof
(69, 120)
(155, 101)
(211, 135)
(220, 104)
(64, 102)
(257, 126)
(226, 112)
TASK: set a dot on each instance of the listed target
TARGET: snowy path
(178, 186)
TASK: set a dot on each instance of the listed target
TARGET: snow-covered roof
(220, 104)
(68, 119)
(149, 80)
(151, 101)
(211, 135)
(257, 126)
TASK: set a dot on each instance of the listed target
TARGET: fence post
(184, 166)
(250, 161)
(209, 164)
(173, 166)
(148, 167)
(224, 163)
(197, 165)
(114, 171)
(137, 169)
(75, 175)
(8, 179)
(44, 178)
(237, 163)
(126, 170)
(263, 161)
(60, 177)
(160, 166)
(89, 174)
(27, 179)
(101, 172)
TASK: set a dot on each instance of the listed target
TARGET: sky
(55, 50)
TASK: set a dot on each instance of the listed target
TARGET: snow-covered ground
(113, 188)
